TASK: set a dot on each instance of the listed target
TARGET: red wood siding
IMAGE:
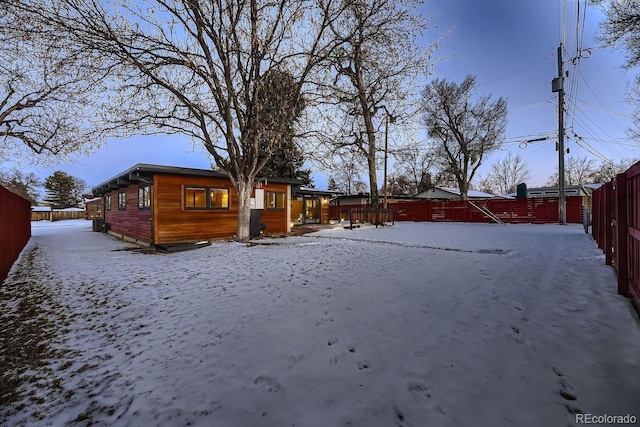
(94, 209)
(15, 228)
(172, 223)
(276, 219)
(131, 222)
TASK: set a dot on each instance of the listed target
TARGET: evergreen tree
(64, 190)
(287, 161)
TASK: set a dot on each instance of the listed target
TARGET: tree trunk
(373, 181)
(244, 187)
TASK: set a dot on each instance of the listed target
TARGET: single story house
(155, 204)
(569, 190)
(583, 191)
(93, 207)
(311, 206)
(448, 193)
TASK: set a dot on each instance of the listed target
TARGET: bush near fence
(15, 228)
(511, 211)
(616, 228)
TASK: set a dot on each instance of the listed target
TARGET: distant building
(448, 193)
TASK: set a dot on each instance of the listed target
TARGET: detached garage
(154, 204)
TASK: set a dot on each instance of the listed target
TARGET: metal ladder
(487, 212)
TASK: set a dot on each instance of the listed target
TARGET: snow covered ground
(419, 324)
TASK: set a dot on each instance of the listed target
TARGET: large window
(107, 202)
(274, 200)
(122, 201)
(144, 197)
(206, 198)
(218, 198)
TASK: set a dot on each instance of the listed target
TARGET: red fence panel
(633, 231)
(513, 211)
(15, 228)
(616, 228)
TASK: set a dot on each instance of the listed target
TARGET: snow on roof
(49, 209)
(470, 193)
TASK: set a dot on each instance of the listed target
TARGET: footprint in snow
(419, 392)
(266, 385)
(293, 360)
(566, 390)
(363, 365)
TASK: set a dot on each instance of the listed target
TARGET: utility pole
(557, 85)
(386, 154)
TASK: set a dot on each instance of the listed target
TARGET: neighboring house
(154, 204)
(447, 193)
(93, 207)
(350, 199)
(583, 191)
(569, 190)
(311, 206)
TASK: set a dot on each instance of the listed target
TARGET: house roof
(142, 170)
(304, 191)
(584, 190)
(456, 192)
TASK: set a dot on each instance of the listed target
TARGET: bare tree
(577, 171)
(400, 185)
(374, 66)
(622, 26)
(506, 174)
(462, 131)
(202, 68)
(345, 173)
(49, 89)
(22, 184)
(607, 171)
(415, 164)
(486, 184)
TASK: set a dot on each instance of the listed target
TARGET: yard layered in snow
(418, 324)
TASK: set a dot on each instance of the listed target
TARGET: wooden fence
(616, 228)
(378, 216)
(512, 211)
(15, 228)
(57, 215)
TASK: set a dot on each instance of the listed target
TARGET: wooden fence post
(608, 232)
(622, 230)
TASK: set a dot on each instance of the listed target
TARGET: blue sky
(510, 46)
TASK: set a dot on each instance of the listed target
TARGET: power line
(526, 68)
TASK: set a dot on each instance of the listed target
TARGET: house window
(219, 198)
(144, 197)
(107, 202)
(195, 198)
(206, 198)
(122, 204)
(274, 200)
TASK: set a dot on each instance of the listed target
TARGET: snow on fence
(510, 211)
(616, 228)
(15, 228)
